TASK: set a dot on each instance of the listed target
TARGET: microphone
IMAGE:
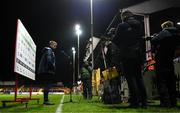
(62, 51)
(65, 54)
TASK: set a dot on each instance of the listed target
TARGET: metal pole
(78, 56)
(74, 67)
(30, 91)
(92, 33)
(71, 94)
(71, 87)
(147, 34)
(16, 87)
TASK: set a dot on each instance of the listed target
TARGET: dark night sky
(53, 19)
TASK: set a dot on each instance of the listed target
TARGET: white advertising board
(25, 53)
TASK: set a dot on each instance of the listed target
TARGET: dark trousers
(46, 80)
(46, 92)
(166, 82)
(133, 74)
(87, 88)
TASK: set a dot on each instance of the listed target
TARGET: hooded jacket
(47, 62)
(86, 71)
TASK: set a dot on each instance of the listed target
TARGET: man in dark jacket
(129, 39)
(86, 72)
(46, 68)
(165, 44)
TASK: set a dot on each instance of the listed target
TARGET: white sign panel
(25, 53)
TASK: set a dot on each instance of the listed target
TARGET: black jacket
(112, 55)
(165, 44)
(129, 39)
(47, 62)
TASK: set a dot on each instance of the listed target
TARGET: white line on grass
(59, 108)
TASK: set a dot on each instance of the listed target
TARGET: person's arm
(161, 36)
(117, 32)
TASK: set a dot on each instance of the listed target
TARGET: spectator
(128, 38)
(86, 72)
(46, 69)
(165, 44)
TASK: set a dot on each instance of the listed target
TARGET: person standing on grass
(129, 39)
(86, 72)
(47, 68)
(165, 44)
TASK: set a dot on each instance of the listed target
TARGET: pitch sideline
(59, 108)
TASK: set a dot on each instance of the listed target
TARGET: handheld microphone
(65, 54)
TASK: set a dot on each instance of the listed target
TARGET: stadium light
(78, 33)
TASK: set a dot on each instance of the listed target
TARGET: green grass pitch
(78, 105)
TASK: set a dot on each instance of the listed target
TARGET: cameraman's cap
(167, 24)
(126, 14)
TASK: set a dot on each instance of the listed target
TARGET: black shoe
(165, 105)
(47, 103)
(144, 106)
(173, 106)
(173, 103)
(134, 106)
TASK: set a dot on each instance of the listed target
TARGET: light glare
(73, 48)
(77, 27)
(78, 32)
(178, 23)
